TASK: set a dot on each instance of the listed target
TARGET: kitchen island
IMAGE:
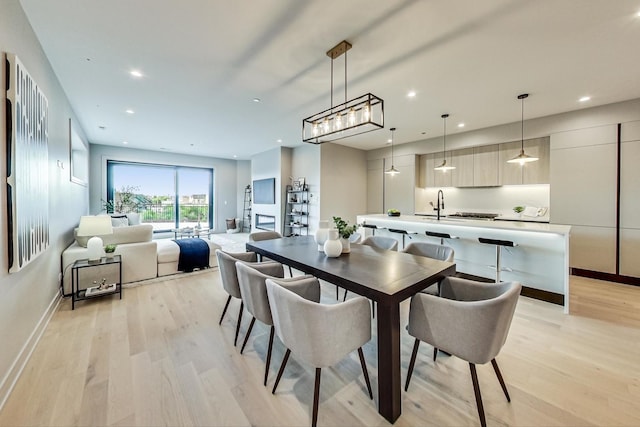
(540, 261)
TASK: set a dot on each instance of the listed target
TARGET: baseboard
(538, 294)
(609, 277)
(11, 377)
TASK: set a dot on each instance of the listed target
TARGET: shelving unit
(296, 219)
(246, 212)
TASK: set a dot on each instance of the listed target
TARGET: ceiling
(204, 61)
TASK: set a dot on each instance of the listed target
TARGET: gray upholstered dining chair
(229, 277)
(318, 334)
(267, 235)
(251, 278)
(430, 250)
(469, 320)
(355, 237)
(381, 242)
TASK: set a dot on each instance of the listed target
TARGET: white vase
(333, 247)
(346, 245)
(322, 234)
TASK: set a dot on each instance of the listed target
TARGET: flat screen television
(264, 191)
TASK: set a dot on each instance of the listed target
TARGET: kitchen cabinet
(428, 176)
(375, 175)
(441, 178)
(485, 166)
(462, 175)
(582, 194)
(399, 189)
(529, 173)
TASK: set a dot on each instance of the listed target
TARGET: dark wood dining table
(386, 277)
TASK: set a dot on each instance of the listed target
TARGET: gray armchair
(429, 250)
(318, 334)
(469, 320)
(251, 278)
(229, 277)
(381, 242)
(267, 235)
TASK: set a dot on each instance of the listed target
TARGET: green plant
(125, 200)
(344, 229)
(110, 249)
(518, 209)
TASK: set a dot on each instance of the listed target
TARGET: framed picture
(27, 166)
(78, 157)
(298, 184)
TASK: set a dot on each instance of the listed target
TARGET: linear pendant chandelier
(522, 158)
(444, 167)
(356, 116)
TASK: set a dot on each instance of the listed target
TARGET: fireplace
(265, 222)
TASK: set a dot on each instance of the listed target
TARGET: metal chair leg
(316, 397)
(435, 353)
(268, 362)
(224, 311)
(290, 271)
(499, 375)
(281, 370)
(365, 372)
(246, 337)
(239, 321)
(476, 390)
(412, 363)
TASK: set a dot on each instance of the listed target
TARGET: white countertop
(458, 222)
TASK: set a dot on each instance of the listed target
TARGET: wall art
(27, 166)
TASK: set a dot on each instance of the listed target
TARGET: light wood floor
(158, 357)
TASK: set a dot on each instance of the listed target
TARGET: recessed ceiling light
(638, 14)
(235, 156)
(584, 99)
(125, 142)
(256, 100)
(135, 73)
(411, 94)
(460, 125)
(389, 141)
(279, 141)
(130, 111)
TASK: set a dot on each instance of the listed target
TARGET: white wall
(343, 182)
(225, 192)
(26, 296)
(271, 164)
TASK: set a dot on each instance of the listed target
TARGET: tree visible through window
(166, 196)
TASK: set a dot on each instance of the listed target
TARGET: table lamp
(94, 226)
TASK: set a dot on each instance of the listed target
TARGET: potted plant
(109, 250)
(345, 231)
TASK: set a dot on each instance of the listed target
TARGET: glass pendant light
(522, 158)
(444, 167)
(392, 170)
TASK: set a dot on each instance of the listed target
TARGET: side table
(81, 294)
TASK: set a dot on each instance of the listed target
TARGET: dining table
(383, 276)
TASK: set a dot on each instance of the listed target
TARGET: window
(166, 196)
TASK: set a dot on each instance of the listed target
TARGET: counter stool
(403, 233)
(499, 244)
(372, 227)
(442, 236)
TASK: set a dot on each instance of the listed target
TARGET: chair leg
(290, 272)
(281, 370)
(224, 311)
(499, 375)
(373, 309)
(316, 397)
(476, 390)
(412, 363)
(239, 321)
(345, 296)
(435, 353)
(266, 369)
(365, 372)
(337, 292)
(246, 337)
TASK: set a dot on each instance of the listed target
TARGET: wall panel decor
(27, 115)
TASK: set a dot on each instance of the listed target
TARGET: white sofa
(142, 257)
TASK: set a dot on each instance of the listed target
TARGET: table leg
(389, 387)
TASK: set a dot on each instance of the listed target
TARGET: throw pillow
(134, 218)
(119, 221)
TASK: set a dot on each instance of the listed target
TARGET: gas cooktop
(474, 215)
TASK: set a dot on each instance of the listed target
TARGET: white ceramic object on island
(333, 247)
(346, 245)
(322, 233)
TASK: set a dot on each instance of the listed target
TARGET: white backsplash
(498, 200)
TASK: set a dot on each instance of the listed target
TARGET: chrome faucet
(439, 203)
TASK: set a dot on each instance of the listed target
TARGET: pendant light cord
(522, 127)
